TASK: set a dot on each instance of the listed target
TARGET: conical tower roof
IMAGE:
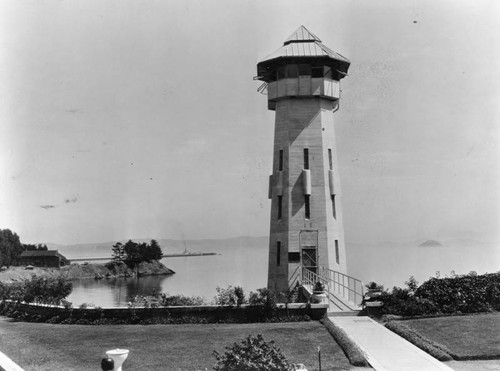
(302, 34)
(303, 44)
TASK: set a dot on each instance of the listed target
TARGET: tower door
(309, 259)
(309, 250)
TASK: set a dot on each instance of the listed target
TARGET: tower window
(307, 206)
(292, 70)
(280, 206)
(334, 207)
(281, 72)
(317, 72)
(337, 257)
(280, 165)
(278, 253)
(304, 69)
(306, 158)
(330, 159)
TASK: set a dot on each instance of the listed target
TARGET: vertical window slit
(306, 158)
(307, 206)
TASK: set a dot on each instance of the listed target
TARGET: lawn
(36, 346)
(467, 337)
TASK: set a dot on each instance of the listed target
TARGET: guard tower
(303, 88)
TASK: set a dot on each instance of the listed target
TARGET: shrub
(374, 286)
(181, 300)
(263, 302)
(402, 302)
(252, 354)
(353, 352)
(436, 350)
(319, 286)
(230, 296)
(39, 290)
(466, 294)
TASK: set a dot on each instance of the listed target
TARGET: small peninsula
(77, 271)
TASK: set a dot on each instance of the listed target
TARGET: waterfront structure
(302, 80)
(44, 258)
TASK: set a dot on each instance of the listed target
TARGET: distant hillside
(103, 249)
(430, 243)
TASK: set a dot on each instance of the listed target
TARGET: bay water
(246, 266)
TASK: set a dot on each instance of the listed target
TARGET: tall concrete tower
(303, 88)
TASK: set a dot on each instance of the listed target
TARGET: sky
(140, 119)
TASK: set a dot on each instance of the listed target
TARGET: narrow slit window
(337, 257)
(280, 167)
(278, 253)
(294, 257)
(306, 158)
(330, 159)
(307, 206)
(280, 206)
(334, 207)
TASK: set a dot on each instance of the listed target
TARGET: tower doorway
(309, 259)
(309, 250)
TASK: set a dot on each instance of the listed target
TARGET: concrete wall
(304, 123)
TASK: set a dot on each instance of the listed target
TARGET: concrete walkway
(385, 350)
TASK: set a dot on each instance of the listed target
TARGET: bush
(319, 287)
(39, 290)
(181, 300)
(230, 296)
(263, 302)
(470, 293)
(436, 350)
(353, 352)
(401, 302)
(252, 354)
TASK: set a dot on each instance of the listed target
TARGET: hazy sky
(123, 119)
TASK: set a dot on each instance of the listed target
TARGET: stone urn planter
(319, 295)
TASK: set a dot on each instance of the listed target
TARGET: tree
(134, 252)
(118, 252)
(10, 248)
(33, 247)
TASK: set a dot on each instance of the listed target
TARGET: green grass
(466, 337)
(40, 347)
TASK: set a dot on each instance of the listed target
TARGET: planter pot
(319, 297)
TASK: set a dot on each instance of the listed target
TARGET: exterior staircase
(344, 293)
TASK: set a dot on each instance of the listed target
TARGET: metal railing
(348, 287)
(336, 283)
(294, 278)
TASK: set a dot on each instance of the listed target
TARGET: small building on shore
(44, 258)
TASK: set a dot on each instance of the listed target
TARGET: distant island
(430, 243)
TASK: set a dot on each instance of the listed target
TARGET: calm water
(247, 267)
(197, 276)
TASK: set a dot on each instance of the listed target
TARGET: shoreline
(80, 271)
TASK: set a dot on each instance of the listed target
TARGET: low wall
(206, 313)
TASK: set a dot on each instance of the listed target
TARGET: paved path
(7, 364)
(385, 350)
